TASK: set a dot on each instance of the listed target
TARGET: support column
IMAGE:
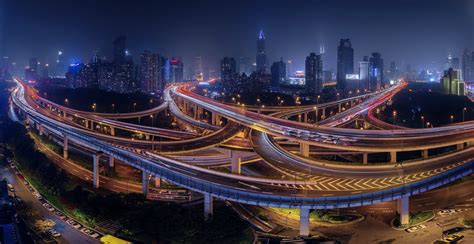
(65, 147)
(145, 182)
(236, 163)
(339, 107)
(424, 153)
(213, 118)
(365, 158)
(304, 222)
(393, 157)
(208, 206)
(316, 112)
(41, 129)
(304, 149)
(460, 146)
(324, 113)
(157, 181)
(404, 211)
(111, 162)
(305, 117)
(95, 170)
(112, 131)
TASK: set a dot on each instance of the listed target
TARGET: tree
(44, 225)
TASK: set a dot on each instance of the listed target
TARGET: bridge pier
(424, 154)
(111, 162)
(208, 206)
(145, 183)
(304, 222)
(236, 163)
(65, 147)
(304, 149)
(316, 113)
(157, 181)
(460, 146)
(95, 169)
(404, 210)
(365, 158)
(41, 129)
(112, 131)
(393, 157)
(305, 118)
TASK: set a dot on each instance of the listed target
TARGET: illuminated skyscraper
(452, 83)
(376, 71)
(261, 55)
(151, 76)
(314, 73)
(198, 71)
(345, 62)
(228, 72)
(468, 65)
(176, 70)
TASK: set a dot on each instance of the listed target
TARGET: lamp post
(463, 113)
(134, 106)
(451, 117)
(423, 121)
(394, 113)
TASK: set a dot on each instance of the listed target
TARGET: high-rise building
(452, 82)
(151, 72)
(278, 71)
(261, 55)
(119, 50)
(245, 66)
(345, 62)
(468, 65)
(198, 71)
(176, 70)
(228, 70)
(364, 72)
(289, 68)
(376, 71)
(314, 73)
(45, 71)
(60, 65)
(393, 71)
(327, 76)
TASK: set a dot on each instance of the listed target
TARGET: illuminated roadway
(334, 187)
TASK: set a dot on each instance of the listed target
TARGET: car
(94, 235)
(453, 238)
(453, 231)
(60, 215)
(86, 231)
(415, 228)
(54, 233)
(12, 165)
(74, 224)
(445, 212)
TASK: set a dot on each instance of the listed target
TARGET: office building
(176, 70)
(151, 72)
(228, 70)
(452, 82)
(345, 63)
(376, 79)
(278, 72)
(261, 55)
(314, 74)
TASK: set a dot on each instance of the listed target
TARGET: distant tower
(345, 62)
(314, 73)
(322, 50)
(119, 51)
(198, 71)
(261, 56)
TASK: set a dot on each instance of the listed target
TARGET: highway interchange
(297, 179)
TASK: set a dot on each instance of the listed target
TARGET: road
(68, 233)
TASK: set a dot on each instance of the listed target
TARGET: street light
(394, 113)
(451, 117)
(66, 101)
(423, 121)
(113, 107)
(134, 106)
(151, 116)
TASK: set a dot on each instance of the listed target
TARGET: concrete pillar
(299, 118)
(147, 137)
(424, 153)
(145, 182)
(157, 181)
(316, 112)
(200, 112)
(339, 107)
(111, 162)
(112, 131)
(304, 149)
(365, 158)
(95, 170)
(304, 222)
(41, 129)
(236, 163)
(404, 210)
(208, 206)
(460, 146)
(185, 107)
(324, 113)
(65, 147)
(305, 117)
(393, 157)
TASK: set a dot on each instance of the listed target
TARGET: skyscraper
(198, 71)
(376, 71)
(345, 62)
(278, 71)
(314, 73)
(151, 72)
(245, 66)
(119, 50)
(467, 65)
(60, 65)
(228, 71)
(364, 72)
(261, 56)
(289, 68)
(176, 70)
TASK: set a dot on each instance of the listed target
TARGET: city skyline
(237, 38)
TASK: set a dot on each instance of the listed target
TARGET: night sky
(417, 32)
